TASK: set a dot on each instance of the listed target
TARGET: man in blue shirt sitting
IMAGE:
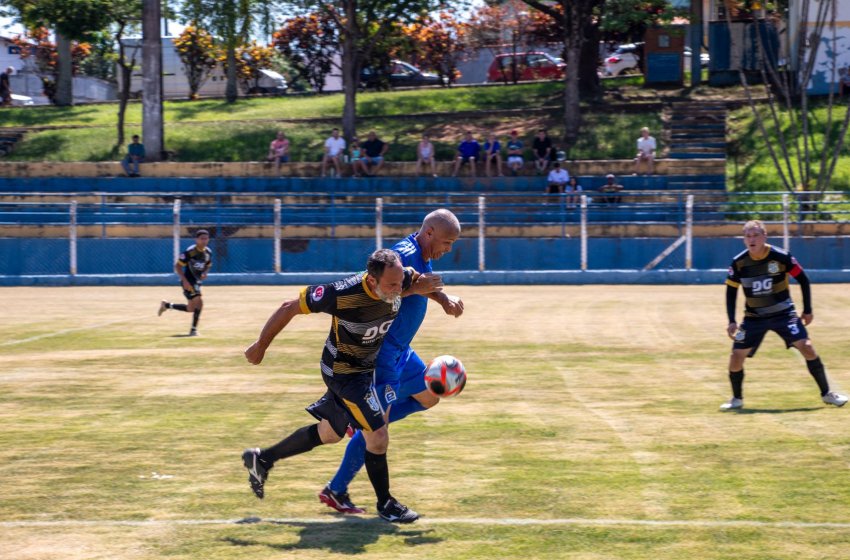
(468, 152)
(135, 156)
(399, 372)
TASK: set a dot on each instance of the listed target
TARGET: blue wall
(153, 256)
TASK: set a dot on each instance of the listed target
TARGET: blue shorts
(399, 373)
(752, 330)
(374, 160)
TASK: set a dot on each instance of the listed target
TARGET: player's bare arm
(272, 328)
(452, 305)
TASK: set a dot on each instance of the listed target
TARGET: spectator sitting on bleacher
(611, 189)
(572, 191)
(279, 151)
(557, 180)
(425, 154)
(372, 157)
(542, 147)
(646, 147)
(334, 148)
(492, 153)
(135, 156)
(515, 161)
(469, 151)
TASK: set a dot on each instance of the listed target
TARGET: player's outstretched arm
(272, 328)
(452, 305)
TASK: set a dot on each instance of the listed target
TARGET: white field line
(66, 331)
(519, 522)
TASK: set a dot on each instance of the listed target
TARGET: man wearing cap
(611, 189)
(514, 145)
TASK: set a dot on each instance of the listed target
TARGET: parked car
(535, 65)
(399, 74)
(21, 99)
(626, 58)
(269, 82)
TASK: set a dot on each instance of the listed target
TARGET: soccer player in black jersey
(763, 270)
(363, 307)
(192, 267)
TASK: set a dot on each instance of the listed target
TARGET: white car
(625, 58)
(22, 99)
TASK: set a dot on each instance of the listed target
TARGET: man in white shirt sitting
(646, 147)
(334, 148)
(557, 179)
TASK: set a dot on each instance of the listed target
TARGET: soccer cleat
(162, 307)
(257, 472)
(340, 502)
(194, 332)
(834, 398)
(733, 404)
(394, 512)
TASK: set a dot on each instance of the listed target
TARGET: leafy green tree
(71, 20)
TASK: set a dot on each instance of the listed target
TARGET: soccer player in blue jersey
(399, 372)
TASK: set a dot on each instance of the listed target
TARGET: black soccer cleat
(257, 471)
(394, 512)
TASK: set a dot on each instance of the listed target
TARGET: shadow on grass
(351, 535)
(39, 116)
(777, 410)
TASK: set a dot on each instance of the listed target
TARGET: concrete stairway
(697, 130)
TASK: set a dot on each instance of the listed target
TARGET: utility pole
(152, 118)
(696, 42)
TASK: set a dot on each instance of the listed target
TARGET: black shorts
(751, 332)
(351, 399)
(194, 292)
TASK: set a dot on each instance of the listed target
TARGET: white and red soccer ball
(445, 376)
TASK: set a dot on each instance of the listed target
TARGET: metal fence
(286, 219)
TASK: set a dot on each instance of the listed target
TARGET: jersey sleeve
(733, 279)
(410, 276)
(794, 268)
(318, 298)
(182, 258)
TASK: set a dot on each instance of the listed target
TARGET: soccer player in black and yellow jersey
(363, 307)
(192, 267)
(763, 271)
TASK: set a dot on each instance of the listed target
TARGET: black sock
(178, 306)
(301, 440)
(737, 380)
(379, 475)
(195, 316)
(819, 373)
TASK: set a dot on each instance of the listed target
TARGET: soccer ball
(445, 376)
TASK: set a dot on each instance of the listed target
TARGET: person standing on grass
(763, 271)
(399, 371)
(192, 267)
(364, 307)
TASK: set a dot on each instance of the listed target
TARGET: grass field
(589, 429)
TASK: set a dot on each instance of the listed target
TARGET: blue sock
(403, 408)
(355, 451)
(352, 462)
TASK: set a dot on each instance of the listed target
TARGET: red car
(536, 65)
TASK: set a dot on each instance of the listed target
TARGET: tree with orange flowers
(250, 59)
(199, 55)
(35, 44)
(310, 44)
(439, 44)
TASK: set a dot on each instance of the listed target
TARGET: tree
(439, 44)
(627, 20)
(579, 23)
(125, 15)
(230, 22)
(804, 150)
(309, 43)
(199, 55)
(35, 43)
(71, 20)
(362, 24)
(250, 59)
